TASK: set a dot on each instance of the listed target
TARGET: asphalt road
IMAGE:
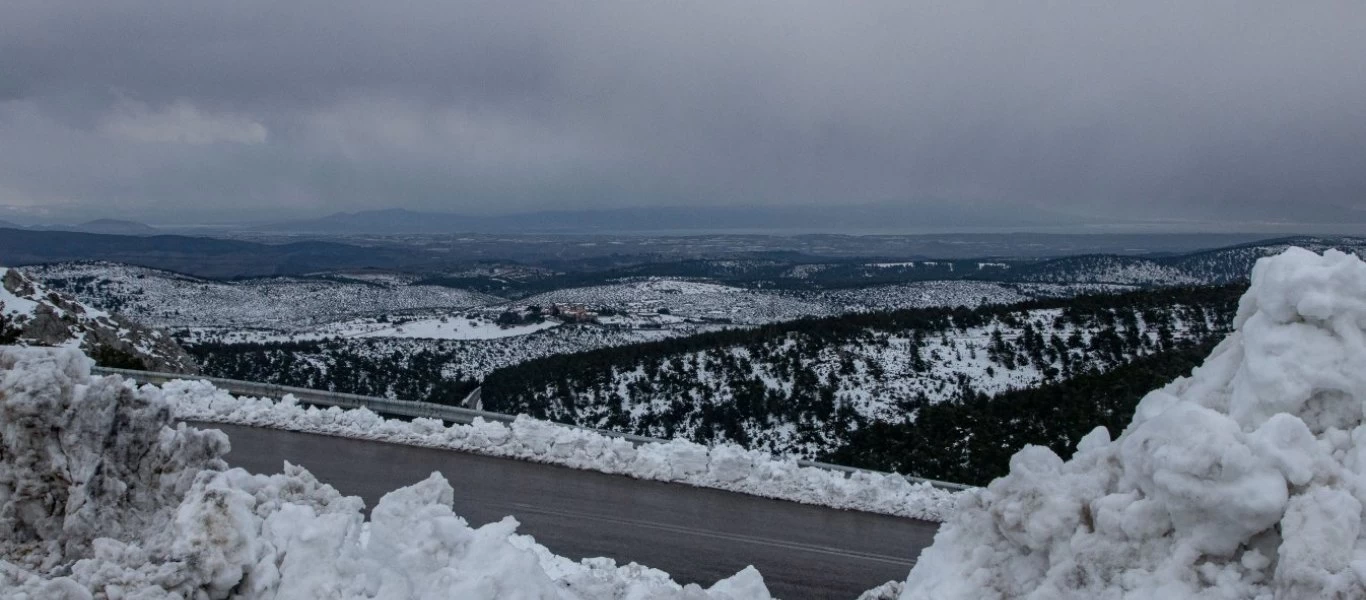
(697, 535)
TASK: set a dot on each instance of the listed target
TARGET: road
(697, 535)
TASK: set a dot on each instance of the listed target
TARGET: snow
(726, 467)
(101, 497)
(1245, 480)
(165, 299)
(12, 305)
(958, 354)
(450, 328)
(690, 299)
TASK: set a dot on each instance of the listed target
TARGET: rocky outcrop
(33, 315)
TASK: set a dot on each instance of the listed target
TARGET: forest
(971, 439)
(418, 374)
(804, 386)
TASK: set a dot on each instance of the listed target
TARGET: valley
(817, 359)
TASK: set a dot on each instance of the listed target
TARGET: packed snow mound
(32, 314)
(1245, 480)
(103, 496)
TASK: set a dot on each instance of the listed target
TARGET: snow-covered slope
(168, 299)
(1245, 480)
(1205, 267)
(694, 299)
(32, 314)
(930, 294)
(1125, 270)
(100, 496)
(801, 388)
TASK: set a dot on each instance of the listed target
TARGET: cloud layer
(1154, 110)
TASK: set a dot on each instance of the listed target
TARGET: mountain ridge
(875, 216)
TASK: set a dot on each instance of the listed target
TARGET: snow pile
(1245, 480)
(726, 467)
(101, 497)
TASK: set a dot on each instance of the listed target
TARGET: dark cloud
(1172, 110)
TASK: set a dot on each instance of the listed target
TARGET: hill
(201, 256)
(802, 386)
(31, 314)
(1204, 267)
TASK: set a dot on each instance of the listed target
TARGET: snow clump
(102, 495)
(1245, 480)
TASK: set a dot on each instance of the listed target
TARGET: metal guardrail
(415, 409)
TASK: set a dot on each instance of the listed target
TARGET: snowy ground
(1245, 480)
(101, 497)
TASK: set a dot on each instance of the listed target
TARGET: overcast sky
(182, 111)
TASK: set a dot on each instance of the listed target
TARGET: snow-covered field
(101, 496)
(1245, 480)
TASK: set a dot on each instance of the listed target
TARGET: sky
(1168, 112)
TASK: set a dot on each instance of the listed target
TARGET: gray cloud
(1170, 110)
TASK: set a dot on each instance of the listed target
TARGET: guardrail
(415, 409)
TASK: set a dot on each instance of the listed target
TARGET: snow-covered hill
(333, 304)
(1206, 267)
(311, 327)
(930, 294)
(699, 300)
(166, 299)
(32, 314)
(802, 386)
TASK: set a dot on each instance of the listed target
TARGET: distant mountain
(204, 257)
(105, 226)
(1216, 266)
(116, 227)
(34, 315)
(865, 217)
(9, 225)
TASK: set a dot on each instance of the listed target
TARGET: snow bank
(726, 467)
(101, 497)
(1245, 480)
